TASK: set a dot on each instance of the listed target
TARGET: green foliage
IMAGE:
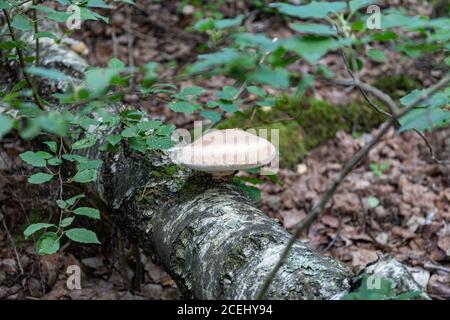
(373, 202)
(379, 168)
(249, 186)
(379, 288)
(82, 235)
(6, 124)
(39, 178)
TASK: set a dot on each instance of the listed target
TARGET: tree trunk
(210, 237)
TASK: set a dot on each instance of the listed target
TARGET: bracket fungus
(223, 152)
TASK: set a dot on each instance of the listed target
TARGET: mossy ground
(304, 123)
(397, 86)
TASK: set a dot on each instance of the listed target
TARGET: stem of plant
(351, 164)
(22, 62)
(36, 30)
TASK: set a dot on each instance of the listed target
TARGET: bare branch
(380, 95)
(430, 148)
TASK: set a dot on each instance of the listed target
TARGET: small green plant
(373, 202)
(379, 169)
(379, 288)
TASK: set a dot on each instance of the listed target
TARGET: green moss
(397, 85)
(304, 123)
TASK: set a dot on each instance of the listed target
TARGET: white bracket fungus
(222, 152)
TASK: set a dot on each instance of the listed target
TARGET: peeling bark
(209, 236)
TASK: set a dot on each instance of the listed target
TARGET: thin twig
(349, 166)
(383, 97)
(431, 149)
(36, 30)
(13, 243)
(436, 267)
(130, 43)
(386, 99)
(22, 62)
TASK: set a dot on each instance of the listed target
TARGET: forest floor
(396, 202)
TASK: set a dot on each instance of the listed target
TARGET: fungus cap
(222, 152)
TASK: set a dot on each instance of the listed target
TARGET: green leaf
(358, 4)
(66, 222)
(98, 79)
(85, 176)
(71, 201)
(373, 202)
(183, 106)
(88, 212)
(313, 28)
(51, 145)
(48, 243)
(44, 155)
(113, 139)
(251, 191)
(62, 204)
(8, 45)
(33, 159)
(255, 40)
(189, 92)
(129, 132)
(87, 14)
(21, 22)
(6, 4)
(409, 295)
(138, 144)
(227, 23)
(377, 55)
(227, 93)
(74, 157)
(54, 161)
(150, 73)
(45, 34)
(424, 118)
(33, 228)
(165, 130)
(439, 99)
(384, 36)
(312, 10)
(211, 115)
(53, 122)
(84, 143)
(156, 142)
(260, 92)
(116, 64)
(47, 73)
(97, 4)
(39, 178)
(6, 124)
(82, 235)
(204, 25)
(211, 60)
(147, 125)
(278, 77)
(227, 106)
(313, 48)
